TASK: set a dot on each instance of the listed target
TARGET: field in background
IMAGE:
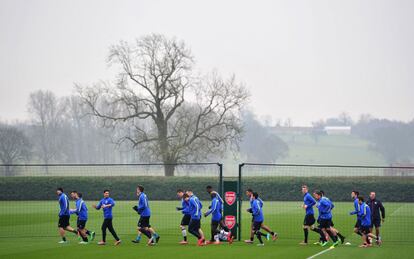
(339, 150)
(28, 230)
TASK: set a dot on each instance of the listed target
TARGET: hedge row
(336, 188)
(122, 188)
(164, 188)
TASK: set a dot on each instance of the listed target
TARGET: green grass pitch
(28, 230)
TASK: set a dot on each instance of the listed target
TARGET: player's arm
(98, 206)
(356, 209)
(212, 209)
(382, 209)
(111, 203)
(255, 208)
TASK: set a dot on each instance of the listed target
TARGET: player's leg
(139, 234)
(192, 228)
(341, 237)
(103, 229)
(112, 230)
(214, 230)
(184, 223)
(270, 231)
(82, 231)
(357, 228)
(250, 241)
(258, 233)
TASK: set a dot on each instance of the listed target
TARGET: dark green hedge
(164, 188)
(122, 187)
(394, 189)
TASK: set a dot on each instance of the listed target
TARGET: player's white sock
(184, 232)
(216, 237)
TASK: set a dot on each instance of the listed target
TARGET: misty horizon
(302, 61)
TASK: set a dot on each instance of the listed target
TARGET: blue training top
(107, 211)
(64, 205)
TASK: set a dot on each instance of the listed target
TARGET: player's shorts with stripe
(144, 222)
(364, 230)
(185, 220)
(81, 224)
(325, 223)
(309, 220)
(257, 225)
(63, 221)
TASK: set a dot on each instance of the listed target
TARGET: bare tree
(46, 113)
(14, 147)
(149, 101)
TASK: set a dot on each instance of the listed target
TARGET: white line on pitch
(321, 252)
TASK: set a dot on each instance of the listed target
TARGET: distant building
(338, 130)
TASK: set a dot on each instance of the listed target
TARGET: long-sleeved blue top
(64, 205)
(257, 211)
(215, 209)
(143, 206)
(81, 210)
(195, 207)
(309, 201)
(185, 205)
(325, 206)
(365, 215)
(356, 209)
(107, 211)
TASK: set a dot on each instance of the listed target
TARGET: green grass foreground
(28, 229)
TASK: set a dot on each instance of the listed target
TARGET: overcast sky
(302, 59)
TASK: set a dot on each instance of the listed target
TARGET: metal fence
(29, 202)
(279, 185)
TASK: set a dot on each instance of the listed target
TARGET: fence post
(239, 194)
(220, 179)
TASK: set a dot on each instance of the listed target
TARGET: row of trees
(157, 108)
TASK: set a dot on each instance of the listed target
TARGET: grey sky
(300, 59)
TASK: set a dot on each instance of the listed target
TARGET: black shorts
(332, 224)
(81, 224)
(364, 230)
(144, 222)
(358, 224)
(325, 223)
(194, 224)
(309, 220)
(376, 223)
(257, 225)
(185, 220)
(63, 221)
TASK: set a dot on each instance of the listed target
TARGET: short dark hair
(106, 190)
(318, 192)
(361, 198)
(304, 186)
(73, 192)
(356, 193)
(141, 188)
(185, 195)
(255, 195)
(322, 193)
(79, 195)
(249, 190)
(180, 190)
(209, 187)
(59, 189)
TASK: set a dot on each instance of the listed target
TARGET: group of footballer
(369, 214)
